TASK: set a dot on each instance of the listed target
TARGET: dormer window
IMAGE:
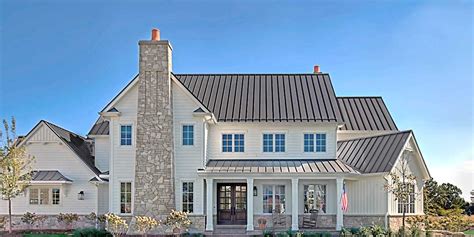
(126, 135)
(314, 142)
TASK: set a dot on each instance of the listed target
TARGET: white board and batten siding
(253, 133)
(102, 152)
(191, 157)
(52, 154)
(122, 158)
(367, 196)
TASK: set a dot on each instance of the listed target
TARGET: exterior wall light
(80, 195)
(255, 191)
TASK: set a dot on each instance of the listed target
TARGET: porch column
(249, 204)
(339, 214)
(209, 205)
(294, 204)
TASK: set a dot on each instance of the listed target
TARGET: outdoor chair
(311, 221)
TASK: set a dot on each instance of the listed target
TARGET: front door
(232, 204)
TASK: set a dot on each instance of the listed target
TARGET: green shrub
(267, 233)
(91, 232)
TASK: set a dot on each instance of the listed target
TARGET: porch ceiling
(288, 166)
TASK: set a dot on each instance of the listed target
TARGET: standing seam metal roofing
(265, 97)
(372, 154)
(365, 113)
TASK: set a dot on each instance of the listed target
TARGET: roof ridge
(380, 135)
(356, 97)
(57, 126)
(246, 74)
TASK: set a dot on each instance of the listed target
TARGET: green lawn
(469, 232)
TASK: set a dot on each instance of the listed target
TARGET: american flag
(344, 201)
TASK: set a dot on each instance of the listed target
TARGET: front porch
(236, 196)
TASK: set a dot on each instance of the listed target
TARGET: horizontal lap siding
(102, 153)
(253, 140)
(51, 156)
(187, 158)
(123, 169)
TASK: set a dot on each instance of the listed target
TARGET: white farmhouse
(230, 149)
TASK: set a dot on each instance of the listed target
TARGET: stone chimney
(154, 171)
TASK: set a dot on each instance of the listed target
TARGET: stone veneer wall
(50, 223)
(154, 175)
(358, 221)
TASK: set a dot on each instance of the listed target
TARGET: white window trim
(233, 145)
(415, 191)
(314, 142)
(181, 194)
(273, 197)
(274, 142)
(50, 195)
(120, 181)
(182, 131)
(120, 135)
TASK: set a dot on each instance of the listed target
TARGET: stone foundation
(322, 221)
(198, 223)
(395, 222)
(270, 222)
(50, 223)
(358, 221)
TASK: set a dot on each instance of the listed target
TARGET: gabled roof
(375, 154)
(265, 97)
(76, 143)
(49, 176)
(365, 113)
(283, 166)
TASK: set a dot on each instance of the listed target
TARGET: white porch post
(249, 204)
(294, 203)
(209, 205)
(339, 214)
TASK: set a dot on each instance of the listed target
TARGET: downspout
(388, 205)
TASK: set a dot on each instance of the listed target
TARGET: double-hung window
(126, 197)
(409, 202)
(188, 135)
(274, 142)
(314, 198)
(314, 142)
(44, 196)
(274, 198)
(126, 135)
(188, 197)
(233, 142)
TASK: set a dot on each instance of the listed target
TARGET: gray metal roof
(365, 113)
(100, 128)
(48, 175)
(77, 143)
(278, 166)
(372, 154)
(265, 97)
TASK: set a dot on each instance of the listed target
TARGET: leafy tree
(400, 184)
(441, 200)
(15, 167)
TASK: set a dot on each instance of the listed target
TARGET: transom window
(126, 197)
(274, 142)
(188, 135)
(274, 198)
(233, 142)
(315, 198)
(409, 204)
(126, 135)
(44, 196)
(188, 197)
(314, 142)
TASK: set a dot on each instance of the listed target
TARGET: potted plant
(178, 221)
(262, 223)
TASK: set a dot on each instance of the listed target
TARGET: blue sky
(63, 61)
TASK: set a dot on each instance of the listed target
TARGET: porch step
(230, 230)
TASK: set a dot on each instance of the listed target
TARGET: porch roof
(49, 176)
(289, 166)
